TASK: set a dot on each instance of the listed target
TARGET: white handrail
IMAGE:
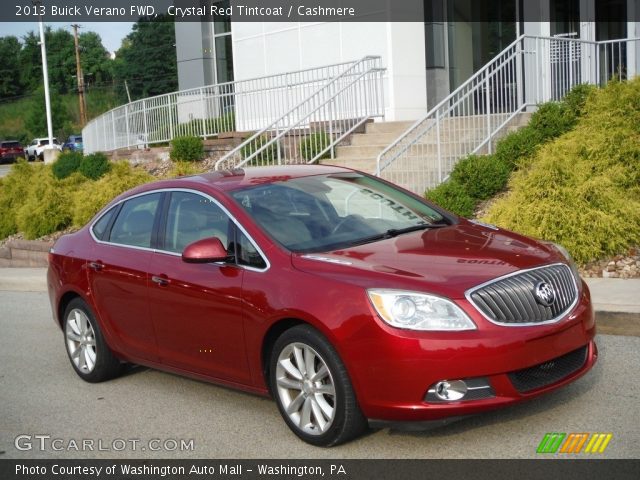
(310, 119)
(243, 105)
(531, 70)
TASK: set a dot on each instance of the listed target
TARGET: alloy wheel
(81, 341)
(306, 388)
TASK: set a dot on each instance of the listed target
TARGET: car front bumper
(393, 376)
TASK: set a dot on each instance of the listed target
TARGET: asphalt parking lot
(41, 395)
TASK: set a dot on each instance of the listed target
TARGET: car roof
(228, 180)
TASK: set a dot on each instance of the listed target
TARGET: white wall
(268, 48)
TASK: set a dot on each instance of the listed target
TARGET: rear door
(118, 274)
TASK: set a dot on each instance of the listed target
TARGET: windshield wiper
(394, 232)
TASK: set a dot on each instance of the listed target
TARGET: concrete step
(388, 127)
(363, 164)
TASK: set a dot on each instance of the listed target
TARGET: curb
(618, 323)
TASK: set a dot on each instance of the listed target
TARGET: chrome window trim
(167, 252)
(556, 319)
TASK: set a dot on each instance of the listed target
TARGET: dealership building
(425, 60)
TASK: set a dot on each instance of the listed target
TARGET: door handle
(160, 280)
(97, 266)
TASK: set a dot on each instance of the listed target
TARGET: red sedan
(350, 301)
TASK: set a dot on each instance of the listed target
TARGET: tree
(10, 81)
(37, 116)
(147, 58)
(95, 60)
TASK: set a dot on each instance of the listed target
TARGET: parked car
(10, 151)
(73, 143)
(37, 146)
(349, 300)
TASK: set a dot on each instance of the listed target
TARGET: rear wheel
(88, 352)
(313, 390)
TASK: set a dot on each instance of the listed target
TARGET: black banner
(435, 11)
(337, 469)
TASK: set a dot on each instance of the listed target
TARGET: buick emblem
(545, 294)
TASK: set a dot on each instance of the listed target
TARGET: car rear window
(10, 144)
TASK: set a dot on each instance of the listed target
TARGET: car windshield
(327, 212)
(10, 144)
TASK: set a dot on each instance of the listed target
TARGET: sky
(111, 33)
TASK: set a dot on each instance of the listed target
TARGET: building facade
(424, 60)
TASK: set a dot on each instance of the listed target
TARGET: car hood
(446, 261)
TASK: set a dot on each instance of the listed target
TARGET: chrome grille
(511, 300)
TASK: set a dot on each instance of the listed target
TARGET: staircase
(463, 134)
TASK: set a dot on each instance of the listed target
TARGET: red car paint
(158, 310)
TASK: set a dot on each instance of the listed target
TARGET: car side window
(247, 254)
(192, 217)
(134, 224)
(100, 227)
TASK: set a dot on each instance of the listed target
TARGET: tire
(88, 352)
(324, 410)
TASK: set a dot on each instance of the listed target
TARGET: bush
(90, 197)
(583, 189)
(268, 156)
(182, 169)
(210, 126)
(454, 197)
(94, 166)
(13, 191)
(186, 149)
(66, 164)
(517, 146)
(551, 120)
(481, 176)
(47, 206)
(577, 97)
(313, 144)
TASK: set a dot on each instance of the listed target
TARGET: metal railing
(244, 105)
(312, 128)
(529, 71)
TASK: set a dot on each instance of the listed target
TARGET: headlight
(570, 262)
(419, 311)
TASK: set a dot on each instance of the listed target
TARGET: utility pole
(79, 76)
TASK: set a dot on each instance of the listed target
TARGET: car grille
(512, 300)
(548, 372)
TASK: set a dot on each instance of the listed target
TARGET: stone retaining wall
(25, 253)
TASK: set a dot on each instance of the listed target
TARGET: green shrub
(518, 145)
(577, 97)
(90, 197)
(182, 169)
(481, 176)
(268, 156)
(454, 197)
(313, 144)
(210, 126)
(13, 191)
(551, 120)
(186, 149)
(583, 189)
(67, 163)
(47, 205)
(94, 166)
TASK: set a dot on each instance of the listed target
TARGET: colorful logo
(574, 443)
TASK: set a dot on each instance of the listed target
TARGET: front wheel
(88, 352)
(313, 390)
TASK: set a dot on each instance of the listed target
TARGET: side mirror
(205, 251)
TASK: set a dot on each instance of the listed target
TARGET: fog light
(450, 390)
